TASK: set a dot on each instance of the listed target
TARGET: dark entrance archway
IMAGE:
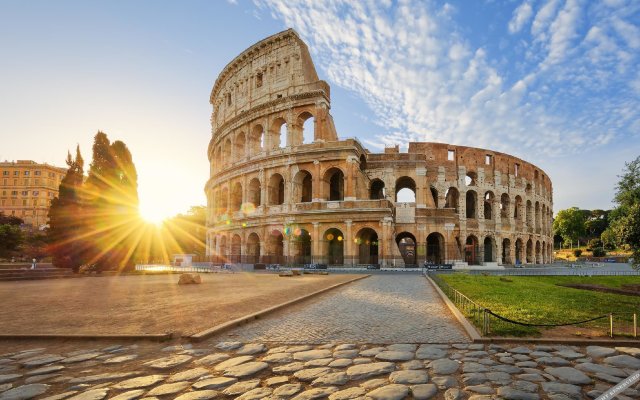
(334, 244)
(471, 250)
(407, 246)
(367, 241)
(301, 246)
(435, 248)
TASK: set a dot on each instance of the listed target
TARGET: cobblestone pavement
(379, 309)
(229, 370)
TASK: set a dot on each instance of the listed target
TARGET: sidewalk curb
(202, 335)
(154, 337)
(471, 331)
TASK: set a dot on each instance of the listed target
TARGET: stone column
(498, 248)
(350, 184)
(317, 182)
(315, 242)
(348, 245)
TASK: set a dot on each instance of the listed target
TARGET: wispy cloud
(424, 80)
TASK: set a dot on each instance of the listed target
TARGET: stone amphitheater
(285, 189)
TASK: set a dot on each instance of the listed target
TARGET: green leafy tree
(11, 236)
(596, 223)
(569, 224)
(625, 223)
(65, 217)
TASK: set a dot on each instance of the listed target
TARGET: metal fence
(547, 271)
(492, 324)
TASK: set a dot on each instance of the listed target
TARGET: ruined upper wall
(274, 68)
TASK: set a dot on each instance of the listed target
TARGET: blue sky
(556, 82)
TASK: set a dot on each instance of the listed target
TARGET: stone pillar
(498, 248)
(350, 184)
(264, 187)
(383, 248)
(317, 182)
(348, 243)
(315, 242)
(421, 188)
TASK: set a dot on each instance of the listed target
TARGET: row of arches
(243, 144)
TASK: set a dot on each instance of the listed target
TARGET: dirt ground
(151, 304)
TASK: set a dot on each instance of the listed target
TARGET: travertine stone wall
(284, 189)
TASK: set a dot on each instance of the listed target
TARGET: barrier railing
(492, 324)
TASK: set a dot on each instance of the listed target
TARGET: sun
(153, 215)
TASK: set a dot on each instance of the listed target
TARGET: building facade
(285, 189)
(27, 189)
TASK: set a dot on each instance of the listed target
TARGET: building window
(37, 173)
(5, 173)
(26, 173)
(36, 193)
(487, 159)
(25, 193)
(14, 192)
(517, 169)
(259, 80)
(16, 173)
(24, 202)
(451, 155)
(228, 99)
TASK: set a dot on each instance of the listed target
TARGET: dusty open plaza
(145, 304)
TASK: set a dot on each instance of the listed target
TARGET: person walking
(33, 264)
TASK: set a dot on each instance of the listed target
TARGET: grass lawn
(538, 299)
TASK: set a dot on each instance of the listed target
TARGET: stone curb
(469, 329)
(197, 337)
(154, 337)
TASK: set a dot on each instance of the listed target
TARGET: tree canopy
(570, 224)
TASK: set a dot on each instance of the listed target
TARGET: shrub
(577, 252)
(594, 244)
(599, 252)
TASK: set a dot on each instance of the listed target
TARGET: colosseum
(285, 189)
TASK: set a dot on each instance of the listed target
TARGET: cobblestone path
(379, 309)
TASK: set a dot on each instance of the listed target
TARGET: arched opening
(236, 197)
(537, 217)
(489, 254)
(239, 146)
(544, 251)
(435, 248)
(471, 203)
(222, 252)
(407, 244)
(538, 258)
(334, 184)
(275, 248)
(504, 205)
(227, 151)
(255, 193)
(405, 190)
(452, 198)
(302, 187)
(517, 209)
(528, 189)
(235, 256)
(529, 214)
(307, 122)
(256, 139)
(279, 133)
(471, 251)
(253, 248)
(434, 195)
(471, 179)
(506, 251)
(214, 248)
(519, 252)
(363, 162)
(367, 241)
(334, 246)
(530, 252)
(377, 191)
(276, 189)
(301, 246)
(224, 200)
(488, 205)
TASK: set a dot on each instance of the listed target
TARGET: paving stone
(477, 354)
(169, 362)
(241, 387)
(251, 348)
(510, 393)
(480, 389)
(299, 348)
(499, 378)
(389, 392)
(632, 351)
(623, 361)
(293, 367)
(227, 346)
(480, 397)
(40, 378)
(278, 358)
(81, 358)
(602, 369)
(474, 378)
(509, 369)
(256, 394)
(331, 379)
(178, 347)
(402, 347)
(521, 357)
(41, 360)
(373, 384)
(409, 377)
(140, 382)
(5, 386)
(287, 390)
(525, 386)
(507, 360)
(311, 373)
(413, 364)
(25, 391)
(395, 356)
(9, 378)
(453, 394)
(198, 395)
(423, 392)
(218, 382)
(538, 354)
(351, 353)
(94, 394)
(246, 369)
(232, 362)
(444, 366)
(460, 346)
(572, 391)
(120, 359)
(130, 395)
(569, 375)
(276, 380)
(372, 352)
(316, 393)
(569, 354)
(351, 393)
(365, 371)
(553, 361)
(279, 349)
(599, 351)
(474, 367)
(106, 377)
(320, 362)
(188, 375)
(345, 346)
(444, 382)
(487, 361)
(531, 377)
(61, 396)
(168, 388)
(213, 359)
(527, 364)
(608, 378)
(360, 360)
(430, 352)
(340, 363)
(311, 355)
